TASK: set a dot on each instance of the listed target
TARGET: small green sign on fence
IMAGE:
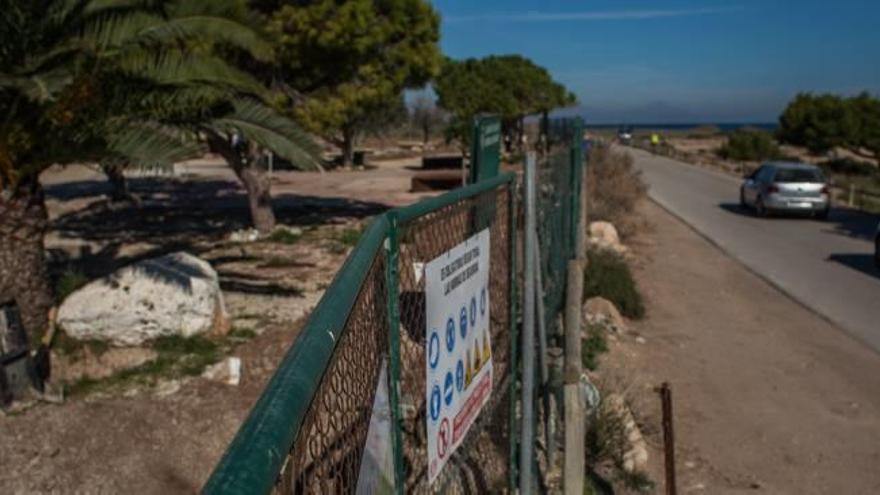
(485, 148)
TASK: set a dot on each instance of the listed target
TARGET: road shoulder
(768, 395)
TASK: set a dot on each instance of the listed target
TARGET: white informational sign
(458, 358)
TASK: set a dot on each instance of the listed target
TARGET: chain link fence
(346, 412)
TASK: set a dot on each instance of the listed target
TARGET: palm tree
(133, 81)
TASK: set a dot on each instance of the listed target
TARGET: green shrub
(69, 281)
(283, 236)
(607, 275)
(593, 346)
(750, 145)
(614, 189)
(848, 166)
(349, 236)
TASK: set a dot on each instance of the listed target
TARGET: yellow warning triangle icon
(478, 361)
(468, 374)
(487, 351)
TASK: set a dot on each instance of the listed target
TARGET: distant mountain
(661, 112)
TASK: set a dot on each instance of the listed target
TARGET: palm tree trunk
(258, 185)
(119, 184)
(255, 180)
(23, 269)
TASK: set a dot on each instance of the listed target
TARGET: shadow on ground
(176, 215)
(841, 221)
(860, 262)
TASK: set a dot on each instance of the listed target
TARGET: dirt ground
(768, 396)
(166, 437)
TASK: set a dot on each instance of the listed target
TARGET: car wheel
(823, 215)
(760, 210)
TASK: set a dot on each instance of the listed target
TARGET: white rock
(604, 232)
(635, 455)
(245, 235)
(601, 310)
(227, 371)
(176, 294)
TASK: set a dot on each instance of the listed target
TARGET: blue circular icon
(459, 376)
(483, 302)
(448, 388)
(435, 403)
(434, 349)
(473, 310)
(450, 334)
(463, 322)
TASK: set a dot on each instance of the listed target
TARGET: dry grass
(615, 188)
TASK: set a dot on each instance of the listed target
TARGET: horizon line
(590, 15)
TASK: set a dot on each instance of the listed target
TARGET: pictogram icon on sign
(434, 349)
(483, 302)
(450, 334)
(443, 437)
(463, 322)
(473, 311)
(448, 388)
(459, 375)
(435, 402)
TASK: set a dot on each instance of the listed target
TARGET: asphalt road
(825, 265)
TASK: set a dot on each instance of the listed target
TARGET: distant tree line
(824, 122)
(820, 123)
(510, 86)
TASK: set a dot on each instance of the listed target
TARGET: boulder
(635, 450)
(604, 235)
(601, 310)
(174, 295)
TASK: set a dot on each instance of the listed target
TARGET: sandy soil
(166, 438)
(768, 396)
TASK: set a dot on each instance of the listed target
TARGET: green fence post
(512, 474)
(485, 148)
(391, 282)
(577, 163)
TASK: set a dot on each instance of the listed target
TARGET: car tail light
(772, 188)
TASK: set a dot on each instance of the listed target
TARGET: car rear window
(798, 175)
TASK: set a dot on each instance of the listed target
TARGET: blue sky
(679, 60)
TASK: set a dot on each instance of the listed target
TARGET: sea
(724, 126)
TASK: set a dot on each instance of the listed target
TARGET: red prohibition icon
(443, 438)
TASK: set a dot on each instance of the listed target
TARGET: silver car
(786, 187)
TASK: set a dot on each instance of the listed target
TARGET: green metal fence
(560, 172)
(345, 412)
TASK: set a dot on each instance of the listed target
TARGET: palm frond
(173, 68)
(271, 130)
(39, 87)
(149, 145)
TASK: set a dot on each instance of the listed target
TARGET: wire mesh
(554, 231)
(327, 453)
(480, 464)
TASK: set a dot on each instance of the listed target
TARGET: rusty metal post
(668, 438)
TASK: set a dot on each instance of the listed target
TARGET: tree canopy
(826, 121)
(511, 86)
(343, 61)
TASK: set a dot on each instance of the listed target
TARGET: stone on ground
(173, 295)
(604, 235)
(601, 310)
